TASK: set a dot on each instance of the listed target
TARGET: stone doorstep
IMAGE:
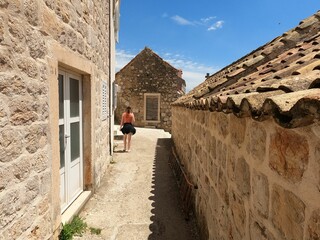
(75, 207)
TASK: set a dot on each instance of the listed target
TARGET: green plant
(96, 231)
(76, 227)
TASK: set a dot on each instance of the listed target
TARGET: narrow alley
(138, 197)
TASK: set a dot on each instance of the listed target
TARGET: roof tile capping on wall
(280, 79)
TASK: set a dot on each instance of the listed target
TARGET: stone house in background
(57, 69)
(249, 138)
(149, 85)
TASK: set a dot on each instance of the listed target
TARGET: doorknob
(66, 136)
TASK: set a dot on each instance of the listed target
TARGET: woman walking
(127, 128)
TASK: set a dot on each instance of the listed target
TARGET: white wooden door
(70, 137)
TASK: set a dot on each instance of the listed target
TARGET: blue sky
(204, 36)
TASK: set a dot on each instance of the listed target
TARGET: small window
(152, 107)
(104, 102)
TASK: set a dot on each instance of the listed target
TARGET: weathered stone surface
(36, 44)
(6, 62)
(221, 154)
(4, 119)
(31, 190)
(242, 176)
(259, 231)
(22, 111)
(17, 35)
(15, 5)
(21, 224)
(30, 57)
(231, 165)
(2, 30)
(257, 146)
(260, 194)
(28, 66)
(10, 144)
(31, 11)
(313, 228)
(317, 169)
(5, 177)
(223, 187)
(50, 24)
(10, 204)
(239, 214)
(11, 85)
(237, 130)
(36, 138)
(289, 154)
(287, 213)
(212, 147)
(222, 124)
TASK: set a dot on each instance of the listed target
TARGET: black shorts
(128, 128)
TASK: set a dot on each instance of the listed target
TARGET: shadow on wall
(168, 219)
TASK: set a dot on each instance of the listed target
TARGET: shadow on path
(168, 221)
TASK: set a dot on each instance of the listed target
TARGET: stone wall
(37, 37)
(256, 180)
(148, 73)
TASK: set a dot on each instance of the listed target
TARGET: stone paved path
(138, 199)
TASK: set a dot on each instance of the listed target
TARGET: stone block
(242, 176)
(21, 169)
(221, 154)
(50, 24)
(10, 204)
(259, 231)
(36, 137)
(31, 11)
(222, 124)
(237, 130)
(223, 187)
(31, 190)
(317, 168)
(11, 145)
(2, 29)
(313, 228)
(36, 44)
(6, 177)
(257, 142)
(260, 194)
(11, 85)
(28, 66)
(239, 214)
(4, 120)
(287, 213)
(22, 111)
(289, 153)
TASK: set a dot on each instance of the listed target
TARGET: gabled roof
(147, 53)
(280, 79)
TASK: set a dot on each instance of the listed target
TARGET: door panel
(70, 137)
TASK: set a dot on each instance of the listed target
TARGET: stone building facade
(57, 69)
(149, 85)
(253, 145)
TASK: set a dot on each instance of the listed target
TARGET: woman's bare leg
(129, 141)
(125, 142)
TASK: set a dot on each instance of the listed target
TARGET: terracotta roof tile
(279, 79)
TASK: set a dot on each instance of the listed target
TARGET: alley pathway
(139, 199)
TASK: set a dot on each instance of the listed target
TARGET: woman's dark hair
(128, 109)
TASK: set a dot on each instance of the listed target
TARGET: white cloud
(207, 19)
(207, 22)
(122, 58)
(181, 20)
(216, 25)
